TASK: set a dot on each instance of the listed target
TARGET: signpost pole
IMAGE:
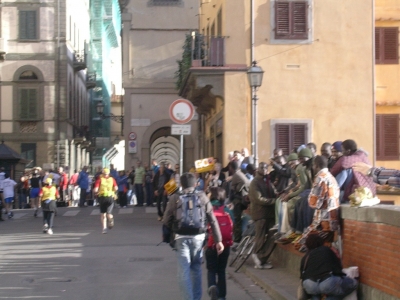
(181, 157)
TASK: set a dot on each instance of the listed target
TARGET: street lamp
(255, 76)
(100, 112)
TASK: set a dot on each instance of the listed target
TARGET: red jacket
(63, 181)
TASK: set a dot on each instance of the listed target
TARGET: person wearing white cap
(105, 188)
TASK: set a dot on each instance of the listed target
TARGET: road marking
(95, 212)
(17, 216)
(71, 213)
(151, 210)
(125, 211)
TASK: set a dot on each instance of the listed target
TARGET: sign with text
(181, 129)
(181, 111)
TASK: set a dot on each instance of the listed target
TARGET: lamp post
(255, 76)
(100, 112)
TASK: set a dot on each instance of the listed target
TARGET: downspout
(373, 85)
(253, 101)
(58, 82)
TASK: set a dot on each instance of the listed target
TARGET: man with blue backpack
(187, 215)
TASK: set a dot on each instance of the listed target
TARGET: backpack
(225, 226)
(190, 215)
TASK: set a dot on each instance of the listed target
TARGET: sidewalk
(282, 280)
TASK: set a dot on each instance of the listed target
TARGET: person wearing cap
(303, 213)
(47, 196)
(336, 150)
(105, 188)
(293, 194)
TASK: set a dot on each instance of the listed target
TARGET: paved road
(78, 262)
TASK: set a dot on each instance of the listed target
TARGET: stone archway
(157, 136)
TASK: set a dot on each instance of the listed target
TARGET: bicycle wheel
(270, 243)
(239, 249)
(247, 251)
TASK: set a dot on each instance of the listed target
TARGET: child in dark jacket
(216, 264)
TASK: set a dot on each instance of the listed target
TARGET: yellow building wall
(237, 130)
(387, 77)
(327, 84)
(329, 81)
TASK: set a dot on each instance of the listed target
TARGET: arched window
(28, 75)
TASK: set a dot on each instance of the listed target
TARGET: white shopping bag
(351, 272)
(133, 199)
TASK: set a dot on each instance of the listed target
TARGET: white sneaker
(104, 231)
(45, 228)
(264, 266)
(257, 262)
(50, 231)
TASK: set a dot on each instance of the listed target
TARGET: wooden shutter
(27, 25)
(288, 136)
(387, 137)
(299, 16)
(377, 44)
(282, 19)
(386, 45)
(282, 137)
(299, 135)
(291, 20)
(217, 51)
(28, 104)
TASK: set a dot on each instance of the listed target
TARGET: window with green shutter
(28, 25)
(291, 20)
(387, 45)
(28, 103)
(289, 136)
(387, 137)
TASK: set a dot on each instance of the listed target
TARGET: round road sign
(132, 136)
(181, 111)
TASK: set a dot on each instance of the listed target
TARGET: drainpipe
(253, 99)
(58, 93)
(373, 84)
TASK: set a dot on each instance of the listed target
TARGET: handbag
(301, 292)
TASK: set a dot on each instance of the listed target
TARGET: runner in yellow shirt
(105, 188)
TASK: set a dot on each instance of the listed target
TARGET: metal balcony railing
(208, 51)
(80, 60)
(91, 80)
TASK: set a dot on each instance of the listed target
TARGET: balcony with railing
(90, 80)
(201, 72)
(79, 60)
(208, 51)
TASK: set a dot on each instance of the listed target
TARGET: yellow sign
(171, 186)
(204, 165)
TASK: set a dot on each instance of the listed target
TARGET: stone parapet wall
(371, 241)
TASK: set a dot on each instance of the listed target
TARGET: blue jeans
(334, 287)
(190, 256)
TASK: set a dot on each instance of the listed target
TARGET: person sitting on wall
(321, 272)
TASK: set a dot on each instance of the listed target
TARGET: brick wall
(371, 241)
(374, 248)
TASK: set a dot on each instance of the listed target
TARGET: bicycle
(246, 246)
